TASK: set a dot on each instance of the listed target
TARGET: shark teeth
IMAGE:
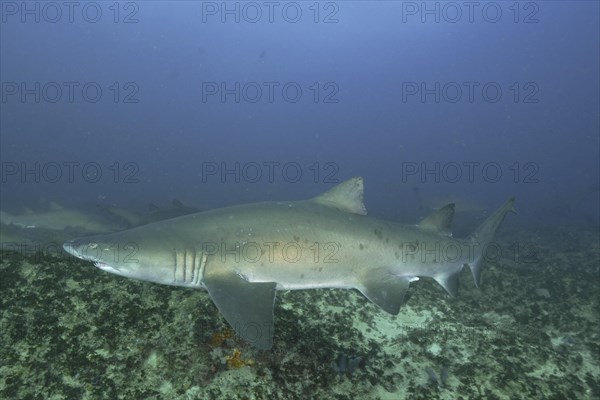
(106, 267)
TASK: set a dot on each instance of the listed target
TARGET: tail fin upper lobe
(483, 236)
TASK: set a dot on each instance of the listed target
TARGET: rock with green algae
(71, 331)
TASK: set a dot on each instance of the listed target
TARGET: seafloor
(71, 331)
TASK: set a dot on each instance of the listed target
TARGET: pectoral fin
(247, 306)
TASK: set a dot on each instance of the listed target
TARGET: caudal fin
(483, 236)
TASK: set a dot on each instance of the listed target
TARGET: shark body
(243, 254)
(131, 219)
(59, 218)
(46, 230)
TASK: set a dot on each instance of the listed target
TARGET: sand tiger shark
(243, 254)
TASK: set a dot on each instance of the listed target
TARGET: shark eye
(93, 245)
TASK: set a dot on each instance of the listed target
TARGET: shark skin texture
(242, 255)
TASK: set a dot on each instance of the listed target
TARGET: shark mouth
(73, 249)
(106, 267)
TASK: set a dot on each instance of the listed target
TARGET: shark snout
(81, 249)
(71, 248)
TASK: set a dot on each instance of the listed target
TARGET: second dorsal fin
(439, 221)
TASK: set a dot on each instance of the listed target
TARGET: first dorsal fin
(439, 221)
(347, 196)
